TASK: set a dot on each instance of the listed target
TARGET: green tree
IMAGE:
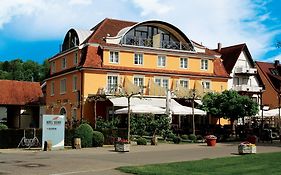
(229, 105)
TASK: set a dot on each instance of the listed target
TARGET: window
(75, 61)
(183, 63)
(63, 63)
(163, 82)
(112, 83)
(138, 58)
(53, 67)
(63, 86)
(52, 88)
(114, 57)
(74, 114)
(184, 83)
(206, 84)
(204, 64)
(74, 83)
(161, 61)
(139, 81)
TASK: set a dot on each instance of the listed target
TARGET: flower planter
(252, 139)
(211, 142)
(122, 147)
(247, 148)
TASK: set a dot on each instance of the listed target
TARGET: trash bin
(77, 143)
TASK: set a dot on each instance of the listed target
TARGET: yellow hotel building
(152, 55)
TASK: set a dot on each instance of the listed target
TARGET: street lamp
(193, 122)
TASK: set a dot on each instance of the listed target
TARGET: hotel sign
(53, 131)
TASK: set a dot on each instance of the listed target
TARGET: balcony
(246, 88)
(146, 42)
(245, 70)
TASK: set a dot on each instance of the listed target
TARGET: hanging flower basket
(122, 145)
(211, 140)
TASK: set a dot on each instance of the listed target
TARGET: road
(94, 161)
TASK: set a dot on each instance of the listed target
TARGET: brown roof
(231, 54)
(107, 26)
(266, 68)
(19, 92)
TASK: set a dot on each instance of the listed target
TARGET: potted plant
(211, 140)
(122, 145)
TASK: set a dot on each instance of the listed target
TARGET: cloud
(226, 21)
(151, 7)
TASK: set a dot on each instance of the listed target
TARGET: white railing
(245, 70)
(245, 87)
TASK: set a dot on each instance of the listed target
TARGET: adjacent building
(21, 104)
(270, 74)
(150, 57)
(241, 67)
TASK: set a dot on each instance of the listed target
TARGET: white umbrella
(184, 110)
(141, 109)
(269, 113)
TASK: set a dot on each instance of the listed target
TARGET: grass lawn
(252, 164)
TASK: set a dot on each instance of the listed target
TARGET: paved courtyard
(102, 161)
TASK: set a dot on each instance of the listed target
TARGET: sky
(34, 29)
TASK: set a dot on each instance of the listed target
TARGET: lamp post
(193, 122)
(261, 107)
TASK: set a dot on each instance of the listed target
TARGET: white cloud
(150, 7)
(226, 21)
(80, 2)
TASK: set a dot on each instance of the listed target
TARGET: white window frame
(112, 57)
(204, 82)
(161, 61)
(184, 80)
(138, 59)
(138, 82)
(53, 67)
(162, 79)
(63, 89)
(204, 64)
(75, 59)
(107, 82)
(74, 83)
(63, 63)
(52, 88)
(183, 63)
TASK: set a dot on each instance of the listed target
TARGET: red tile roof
(107, 26)
(19, 92)
(266, 68)
(230, 55)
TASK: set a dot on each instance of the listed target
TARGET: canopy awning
(123, 101)
(175, 107)
(142, 109)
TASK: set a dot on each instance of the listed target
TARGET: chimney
(276, 63)
(219, 47)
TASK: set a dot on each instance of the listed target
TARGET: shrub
(98, 139)
(85, 132)
(2, 126)
(199, 137)
(184, 137)
(141, 141)
(192, 137)
(177, 140)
